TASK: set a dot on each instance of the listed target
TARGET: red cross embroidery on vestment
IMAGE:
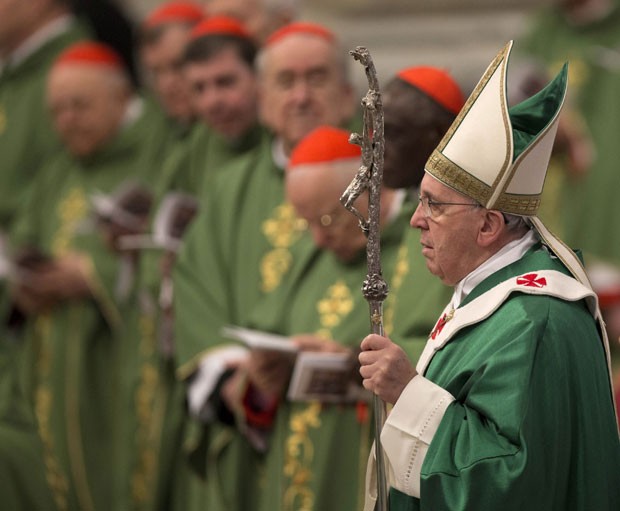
(441, 323)
(531, 280)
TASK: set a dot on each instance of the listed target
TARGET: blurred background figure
(32, 34)
(242, 244)
(73, 318)
(586, 33)
(218, 67)
(313, 440)
(261, 17)
(164, 35)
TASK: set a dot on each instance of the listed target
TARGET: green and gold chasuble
(22, 475)
(239, 248)
(532, 425)
(316, 458)
(27, 140)
(586, 206)
(151, 403)
(71, 366)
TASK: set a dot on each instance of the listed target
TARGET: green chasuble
(238, 249)
(532, 424)
(588, 206)
(316, 458)
(70, 360)
(22, 476)
(27, 140)
(191, 166)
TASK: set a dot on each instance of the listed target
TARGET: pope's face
(224, 93)
(449, 237)
(87, 105)
(162, 63)
(302, 87)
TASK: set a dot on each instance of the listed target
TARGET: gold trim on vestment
(149, 398)
(332, 309)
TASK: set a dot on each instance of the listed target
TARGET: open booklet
(317, 376)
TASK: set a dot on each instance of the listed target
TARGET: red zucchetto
(437, 84)
(90, 53)
(299, 27)
(220, 25)
(175, 12)
(323, 144)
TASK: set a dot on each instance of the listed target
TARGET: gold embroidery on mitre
(299, 455)
(71, 211)
(282, 230)
(456, 178)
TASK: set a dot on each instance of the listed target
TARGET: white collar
(35, 41)
(135, 108)
(279, 156)
(510, 253)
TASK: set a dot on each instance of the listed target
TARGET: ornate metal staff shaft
(369, 177)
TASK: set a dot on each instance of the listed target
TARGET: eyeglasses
(432, 208)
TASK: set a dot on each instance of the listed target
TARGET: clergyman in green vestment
(241, 246)
(510, 405)
(67, 277)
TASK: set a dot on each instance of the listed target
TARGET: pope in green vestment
(504, 441)
(510, 405)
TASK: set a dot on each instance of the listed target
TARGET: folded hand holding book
(317, 376)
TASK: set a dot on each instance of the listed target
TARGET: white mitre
(499, 156)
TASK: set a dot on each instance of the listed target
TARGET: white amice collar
(510, 253)
(279, 156)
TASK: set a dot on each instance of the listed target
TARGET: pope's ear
(493, 225)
